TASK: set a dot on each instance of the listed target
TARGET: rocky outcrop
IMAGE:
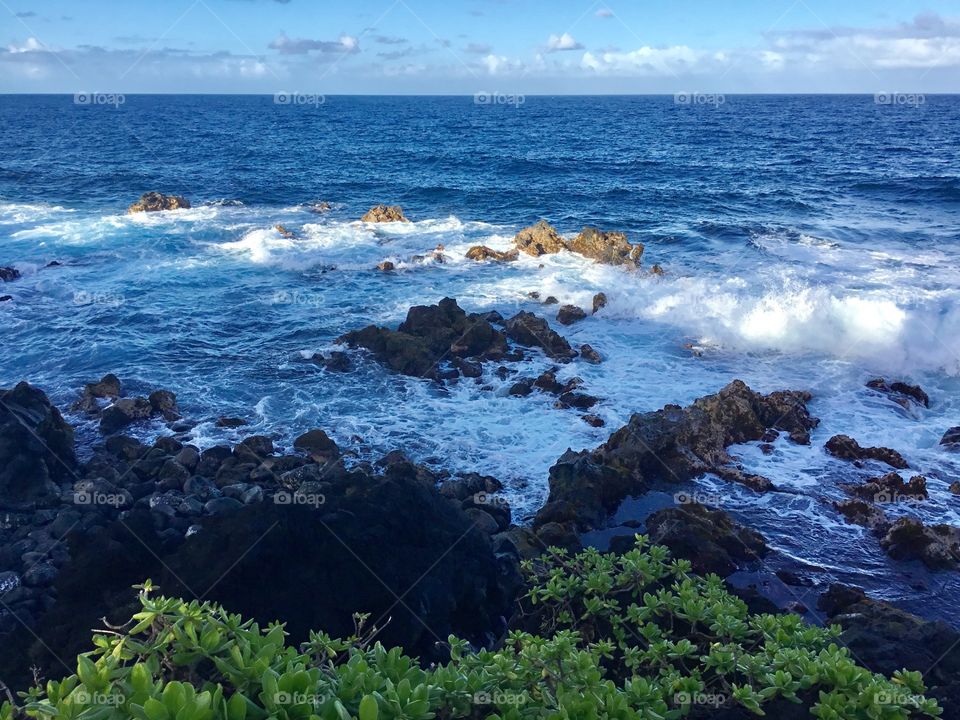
(670, 445)
(710, 539)
(900, 392)
(951, 439)
(155, 202)
(569, 314)
(846, 448)
(528, 330)
(599, 302)
(865, 514)
(127, 411)
(610, 248)
(936, 546)
(431, 335)
(107, 388)
(36, 448)
(9, 274)
(891, 488)
(384, 214)
(539, 239)
(482, 252)
(284, 233)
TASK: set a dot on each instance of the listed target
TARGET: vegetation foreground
(597, 636)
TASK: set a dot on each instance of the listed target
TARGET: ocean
(807, 242)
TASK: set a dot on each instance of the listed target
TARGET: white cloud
(30, 45)
(286, 45)
(604, 12)
(566, 41)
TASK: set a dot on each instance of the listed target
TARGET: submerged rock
(284, 233)
(384, 213)
(951, 438)
(539, 239)
(155, 202)
(386, 266)
(610, 248)
(8, 274)
(846, 448)
(482, 252)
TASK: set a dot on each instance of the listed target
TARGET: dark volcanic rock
(36, 447)
(429, 335)
(590, 355)
(886, 639)
(482, 252)
(937, 546)
(891, 488)
(570, 314)
(317, 444)
(846, 448)
(539, 239)
(108, 388)
(901, 392)
(8, 274)
(154, 202)
(529, 330)
(951, 438)
(673, 444)
(124, 412)
(611, 248)
(709, 539)
(863, 513)
(384, 213)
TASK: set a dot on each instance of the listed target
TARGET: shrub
(620, 637)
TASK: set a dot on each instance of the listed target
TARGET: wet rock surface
(846, 448)
(611, 248)
(9, 274)
(156, 202)
(384, 213)
(539, 239)
(482, 252)
(900, 392)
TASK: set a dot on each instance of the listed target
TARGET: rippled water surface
(808, 242)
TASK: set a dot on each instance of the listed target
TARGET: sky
(522, 47)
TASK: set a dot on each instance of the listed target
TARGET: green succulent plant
(628, 637)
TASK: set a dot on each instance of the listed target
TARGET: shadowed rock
(900, 392)
(569, 314)
(936, 546)
(527, 329)
(36, 447)
(8, 274)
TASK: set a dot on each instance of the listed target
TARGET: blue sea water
(809, 242)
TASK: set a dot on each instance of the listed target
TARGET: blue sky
(469, 46)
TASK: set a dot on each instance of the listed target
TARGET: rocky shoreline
(268, 534)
